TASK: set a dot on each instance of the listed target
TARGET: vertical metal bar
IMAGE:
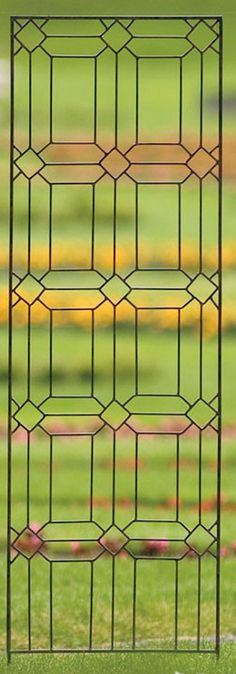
(91, 477)
(114, 352)
(93, 186)
(200, 181)
(179, 228)
(137, 100)
(136, 350)
(200, 225)
(177, 477)
(30, 99)
(136, 479)
(92, 352)
(116, 99)
(176, 602)
(50, 477)
(113, 572)
(28, 353)
(28, 480)
(201, 97)
(179, 352)
(8, 616)
(180, 99)
(200, 478)
(114, 226)
(199, 604)
(114, 478)
(51, 100)
(29, 226)
(29, 604)
(91, 462)
(50, 229)
(50, 351)
(95, 99)
(136, 226)
(114, 365)
(219, 340)
(134, 605)
(200, 349)
(50, 606)
(91, 606)
(93, 226)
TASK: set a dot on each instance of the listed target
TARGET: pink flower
(29, 541)
(123, 554)
(75, 547)
(35, 526)
(224, 551)
(34, 541)
(192, 554)
(32, 538)
(163, 546)
(156, 546)
(233, 546)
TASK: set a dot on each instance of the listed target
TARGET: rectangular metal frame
(116, 18)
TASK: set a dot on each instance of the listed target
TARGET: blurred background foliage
(72, 359)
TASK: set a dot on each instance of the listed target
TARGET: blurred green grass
(119, 663)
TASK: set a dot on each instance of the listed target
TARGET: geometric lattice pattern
(113, 540)
(200, 540)
(28, 415)
(115, 415)
(29, 163)
(201, 288)
(115, 163)
(29, 289)
(202, 36)
(201, 414)
(30, 36)
(27, 543)
(115, 289)
(114, 363)
(201, 163)
(116, 37)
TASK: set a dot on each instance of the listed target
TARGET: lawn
(101, 664)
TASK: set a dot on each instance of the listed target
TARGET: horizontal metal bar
(117, 16)
(114, 650)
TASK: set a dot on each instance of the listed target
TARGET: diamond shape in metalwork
(201, 163)
(115, 415)
(29, 289)
(201, 414)
(201, 288)
(30, 36)
(27, 543)
(28, 415)
(200, 540)
(116, 37)
(115, 289)
(113, 540)
(115, 163)
(202, 36)
(29, 163)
